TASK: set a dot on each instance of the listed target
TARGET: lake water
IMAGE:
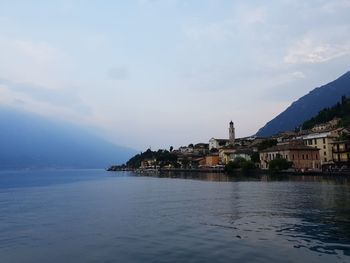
(96, 216)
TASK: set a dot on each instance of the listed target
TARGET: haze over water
(95, 216)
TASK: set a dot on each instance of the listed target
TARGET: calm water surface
(95, 216)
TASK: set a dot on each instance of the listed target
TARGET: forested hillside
(340, 110)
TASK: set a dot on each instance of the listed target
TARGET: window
(324, 153)
(310, 142)
(315, 141)
(293, 156)
(307, 157)
(325, 159)
(303, 156)
(324, 146)
(324, 140)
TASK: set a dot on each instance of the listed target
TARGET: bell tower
(231, 133)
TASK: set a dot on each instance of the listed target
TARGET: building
(242, 153)
(148, 163)
(217, 143)
(211, 160)
(220, 143)
(186, 149)
(341, 153)
(201, 149)
(326, 126)
(230, 154)
(225, 154)
(303, 157)
(323, 141)
(231, 131)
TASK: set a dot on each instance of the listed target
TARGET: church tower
(232, 133)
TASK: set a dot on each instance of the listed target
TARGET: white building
(219, 143)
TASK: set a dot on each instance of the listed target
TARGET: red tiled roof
(295, 147)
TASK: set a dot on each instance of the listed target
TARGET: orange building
(303, 157)
(210, 160)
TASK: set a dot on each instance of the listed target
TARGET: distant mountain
(308, 106)
(31, 141)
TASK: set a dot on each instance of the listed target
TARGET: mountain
(308, 106)
(30, 141)
(340, 111)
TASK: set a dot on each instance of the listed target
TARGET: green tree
(248, 165)
(279, 164)
(231, 166)
(267, 144)
(239, 163)
(340, 110)
(255, 157)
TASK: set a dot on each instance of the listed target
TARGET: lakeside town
(323, 148)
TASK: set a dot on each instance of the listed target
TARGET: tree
(231, 166)
(267, 144)
(239, 163)
(248, 165)
(255, 157)
(279, 164)
(340, 110)
(162, 158)
(185, 162)
(171, 148)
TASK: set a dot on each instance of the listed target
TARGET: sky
(161, 73)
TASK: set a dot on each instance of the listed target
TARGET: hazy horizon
(159, 73)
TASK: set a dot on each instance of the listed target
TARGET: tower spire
(231, 133)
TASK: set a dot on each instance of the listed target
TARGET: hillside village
(323, 147)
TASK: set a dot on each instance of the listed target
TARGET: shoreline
(236, 172)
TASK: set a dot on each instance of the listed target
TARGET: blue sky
(164, 72)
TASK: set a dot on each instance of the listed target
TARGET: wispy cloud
(34, 93)
(33, 61)
(309, 50)
(243, 18)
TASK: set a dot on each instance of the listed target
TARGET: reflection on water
(124, 217)
(218, 177)
(324, 212)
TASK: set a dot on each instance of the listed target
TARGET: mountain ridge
(308, 106)
(29, 140)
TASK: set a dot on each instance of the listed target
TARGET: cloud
(33, 62)
(244, 18)
(39, 51)
(213, 31)
(40, 94)
(311, 51)
(253, 15)
(298, 75)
